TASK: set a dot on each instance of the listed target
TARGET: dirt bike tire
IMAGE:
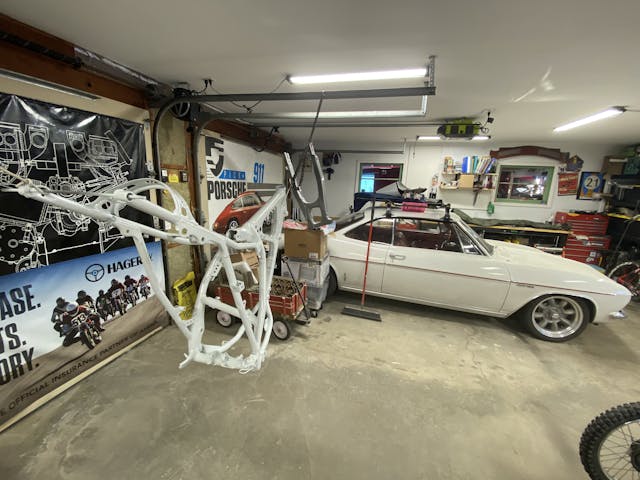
(597, 432)
(87, 340)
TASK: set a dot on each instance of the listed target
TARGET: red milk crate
(283, 306)
(584, 223)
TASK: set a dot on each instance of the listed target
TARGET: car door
(433, 262)
(349, 251)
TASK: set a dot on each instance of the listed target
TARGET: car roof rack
(430, 203)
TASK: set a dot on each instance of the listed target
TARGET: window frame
(456, 227)
(547, 187)
(363, 165)
(439, 222)
(366, 222)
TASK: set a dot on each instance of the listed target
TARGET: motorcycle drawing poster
(60, 320)
(74, 152)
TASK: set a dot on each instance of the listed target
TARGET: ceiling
(534, 64)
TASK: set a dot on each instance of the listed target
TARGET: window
(250, 201)
(237, 204)
(524, 184)
(349, 220)
(382, 231)
(427, 234)
(465, 242)
(377, 175)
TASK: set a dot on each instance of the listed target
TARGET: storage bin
(311, 272)
(317, 295)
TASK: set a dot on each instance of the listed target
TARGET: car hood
(529, 265)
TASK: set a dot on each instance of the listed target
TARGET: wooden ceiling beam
(21, 59)
(248, 134)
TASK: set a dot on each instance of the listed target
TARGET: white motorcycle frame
(256, 322)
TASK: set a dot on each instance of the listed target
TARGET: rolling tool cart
(287, 301)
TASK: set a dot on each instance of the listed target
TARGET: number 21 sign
(590, 184)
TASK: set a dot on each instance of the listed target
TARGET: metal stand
(256, 322)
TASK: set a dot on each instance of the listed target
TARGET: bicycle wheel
(627, 274)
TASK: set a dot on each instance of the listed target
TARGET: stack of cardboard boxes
(308, 259)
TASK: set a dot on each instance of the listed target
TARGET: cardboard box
(248, 256)
(613, 165)
(466, 181)
(308, 244)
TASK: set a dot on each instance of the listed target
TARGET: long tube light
(46, 84)
(357, 77)
(610, 112)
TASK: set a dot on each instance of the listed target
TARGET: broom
(361, 311)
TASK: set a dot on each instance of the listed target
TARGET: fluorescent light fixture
(480, 138)
(357, 77)
(46, 84)
(610, 112)
(433, 138)
(356, 114)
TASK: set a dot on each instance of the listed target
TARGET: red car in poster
(238, 211)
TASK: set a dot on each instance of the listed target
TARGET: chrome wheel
(233, 224)
(557, 316)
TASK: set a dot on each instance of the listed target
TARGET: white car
(434, 259)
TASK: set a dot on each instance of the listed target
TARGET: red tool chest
(584, 223)
(588, 240)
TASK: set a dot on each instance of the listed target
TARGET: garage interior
(466, 389)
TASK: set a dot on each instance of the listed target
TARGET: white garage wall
(421, 162)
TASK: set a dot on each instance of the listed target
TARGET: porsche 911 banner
(230, 167)
(60, 320)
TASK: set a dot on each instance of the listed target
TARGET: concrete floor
(426, 394)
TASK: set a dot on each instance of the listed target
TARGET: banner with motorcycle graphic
(60, 320)
(75, 153)
(230, 167)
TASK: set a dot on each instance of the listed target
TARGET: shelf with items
(469, 165)
(468, 181)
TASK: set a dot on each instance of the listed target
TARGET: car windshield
(349, 220)
(475, 237)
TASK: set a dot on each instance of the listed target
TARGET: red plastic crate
(584, 223)
(283, 306)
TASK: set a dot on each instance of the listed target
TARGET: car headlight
(215, 225)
